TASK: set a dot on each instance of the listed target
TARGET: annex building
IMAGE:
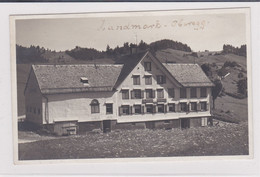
(138, 91)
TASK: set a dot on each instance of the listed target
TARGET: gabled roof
(106, 77)
(129, 62)
(189, 75)
(67, 78)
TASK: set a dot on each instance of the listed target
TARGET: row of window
(162, 108)
(95, 107)
(150, 93)
(161, 79)
(33, 110)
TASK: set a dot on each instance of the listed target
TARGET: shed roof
(67, 78)
(189, 75)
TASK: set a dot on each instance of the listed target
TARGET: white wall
(156, 70)
(76, 106)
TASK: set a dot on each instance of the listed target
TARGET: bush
(240, 75)
(222, 72)
(230, 64)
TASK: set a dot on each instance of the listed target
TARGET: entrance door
(185, 123)
(106, 126)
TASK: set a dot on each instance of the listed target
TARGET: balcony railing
(161, 100)
(148, 100)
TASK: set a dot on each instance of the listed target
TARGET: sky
(199, 31)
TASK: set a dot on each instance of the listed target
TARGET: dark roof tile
(189, 75)
(51, 78)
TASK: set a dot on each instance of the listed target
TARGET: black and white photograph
(132, 85)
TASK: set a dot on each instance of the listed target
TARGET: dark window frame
(136, 93)
(171, 92)
(193, 92)
(183, 107)
(203, 106)
(147, 66)
(108, 111)
(150, 106)
(171, 105)
(203, 92)
(148, 80)
(136, 80)
(139, 107)
(193, 106)
(183, 93)
(160, 108)
(125, 94)
(161, 79)
(149, 93)
(95, 106)
(125, 110)
(160, 93)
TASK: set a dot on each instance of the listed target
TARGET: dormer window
(84, 80)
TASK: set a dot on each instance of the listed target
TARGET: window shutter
(142, 94)
(165, 108)
(157, 79)
(178, 107)
(188, 107)
(120, 110)
(130, 109)
(162, 93)
(164, 79)
(153, 94)
(198, 106)
(207, 106)
(133, 109)
(132, 94)
(142, 110)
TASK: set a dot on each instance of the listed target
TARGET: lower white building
(138, 91)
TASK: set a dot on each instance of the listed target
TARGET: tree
(216, 90)
(142, 45)
(206, 68)
(109, 50)
(242, 86)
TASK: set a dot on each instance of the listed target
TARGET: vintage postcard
(132, 85)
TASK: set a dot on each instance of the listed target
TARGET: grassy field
(224, 139)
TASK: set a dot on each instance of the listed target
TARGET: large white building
(138, 91)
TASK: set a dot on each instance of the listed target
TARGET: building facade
(138, 91)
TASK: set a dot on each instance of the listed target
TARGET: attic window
(84, 80)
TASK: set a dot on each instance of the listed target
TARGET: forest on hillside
(37, 54)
